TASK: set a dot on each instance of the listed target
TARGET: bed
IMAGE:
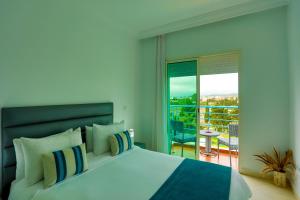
(136, 174)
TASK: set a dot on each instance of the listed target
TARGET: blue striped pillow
(120, 142)
(61, 164)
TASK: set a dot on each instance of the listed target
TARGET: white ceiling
(147, 18)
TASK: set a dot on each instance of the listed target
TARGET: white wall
(264, 88)
(294, 62)
(60, 52)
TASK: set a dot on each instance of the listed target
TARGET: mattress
(136, 174)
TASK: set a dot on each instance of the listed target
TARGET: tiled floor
(261, 189)
(189, 152)
(265, 190)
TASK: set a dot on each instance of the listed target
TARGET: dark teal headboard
(41, 121)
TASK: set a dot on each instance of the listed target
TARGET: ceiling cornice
(214, 16)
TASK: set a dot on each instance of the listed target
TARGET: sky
(210, 85)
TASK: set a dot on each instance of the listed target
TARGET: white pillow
(20, 162)
(34, 148)
(101, 136)
(89, 138)
(20, 165)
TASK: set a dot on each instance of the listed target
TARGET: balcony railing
(211, 117)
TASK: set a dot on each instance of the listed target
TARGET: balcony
(215, 118)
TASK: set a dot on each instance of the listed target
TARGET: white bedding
(134, 175)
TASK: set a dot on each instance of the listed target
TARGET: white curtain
(160, 136)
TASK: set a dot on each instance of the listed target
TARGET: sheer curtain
(159, 135)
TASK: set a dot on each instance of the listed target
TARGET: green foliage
(185, 114)
(206, 115)
(217, 117)
(221, 117)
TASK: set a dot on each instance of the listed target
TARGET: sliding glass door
(182, 108)
(202, 103)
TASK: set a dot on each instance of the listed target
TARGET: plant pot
(280, 179)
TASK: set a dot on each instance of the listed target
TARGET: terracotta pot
(280, 179)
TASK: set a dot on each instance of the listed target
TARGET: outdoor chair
(232, 142)
(178, 135)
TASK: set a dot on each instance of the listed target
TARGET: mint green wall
(262, 39)
(294, 61)
(60, 52)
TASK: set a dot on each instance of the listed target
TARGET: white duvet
(133, 175)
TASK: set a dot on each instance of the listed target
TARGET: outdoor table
(208, 135)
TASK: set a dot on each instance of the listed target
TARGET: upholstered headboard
(41, 121)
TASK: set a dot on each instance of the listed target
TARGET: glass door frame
(198, 108)
(198, 59)
(197, 105)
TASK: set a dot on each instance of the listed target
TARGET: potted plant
(277, 164)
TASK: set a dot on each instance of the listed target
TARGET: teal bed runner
(196, 180)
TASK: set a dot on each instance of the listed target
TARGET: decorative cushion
(61, 164)
(89, 138)
(34, 148)
(120, 142)
(101, 136)
(20, 171)
(20, 162)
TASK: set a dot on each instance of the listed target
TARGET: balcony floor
(189, 152)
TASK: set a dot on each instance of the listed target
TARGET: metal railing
(211, 117)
